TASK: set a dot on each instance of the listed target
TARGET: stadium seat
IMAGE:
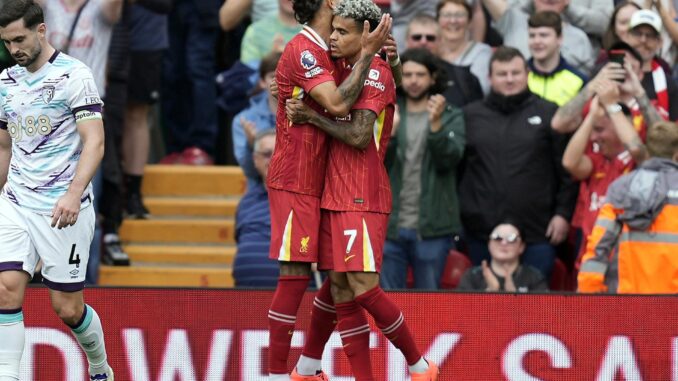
(559, 277)
(455, 266)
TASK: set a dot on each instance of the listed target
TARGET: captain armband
(85, 115)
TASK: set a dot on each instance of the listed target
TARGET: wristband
(613, 108)
(394, 63)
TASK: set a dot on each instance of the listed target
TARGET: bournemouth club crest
(47, 94)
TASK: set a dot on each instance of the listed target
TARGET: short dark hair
(546, 19)
(305, 10)
(463, 3)
(28, 10)
(426, 58)
(269, 63)
(506, 54)
(621, 45)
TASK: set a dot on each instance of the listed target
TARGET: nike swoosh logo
(346, 259)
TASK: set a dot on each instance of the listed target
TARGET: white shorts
(26, 237)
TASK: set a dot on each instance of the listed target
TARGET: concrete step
(163, 276)
(180, 254)
(185, 206)
(216, 231)
(188, 180)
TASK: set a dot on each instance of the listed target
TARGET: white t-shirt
(38, 110)
(91, 39)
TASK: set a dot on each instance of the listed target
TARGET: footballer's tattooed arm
(350, 89)
(356, 132)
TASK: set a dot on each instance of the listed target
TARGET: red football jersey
(356, 180)
(300, 156)
(592, 191)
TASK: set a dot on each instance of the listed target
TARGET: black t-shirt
(526, 279)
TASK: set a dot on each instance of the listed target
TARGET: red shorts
(352, 241)
(295, 223)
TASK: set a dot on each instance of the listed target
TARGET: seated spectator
(462, 87)
(513, 166)
(511, 22)
(269, 34)
(645, 36)
(618, 28)
(551, 76)
(259, 116)
(632, 94)
(637, 224)
(456, 45)
(252, 267)
(422, 160)
(617, 149)
(504, 272)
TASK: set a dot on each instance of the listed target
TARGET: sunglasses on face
(419, 37)
(511, 238)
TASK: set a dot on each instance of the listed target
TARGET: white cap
(646, 17)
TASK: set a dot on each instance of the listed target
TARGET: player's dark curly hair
(13, 10)
(305, 10)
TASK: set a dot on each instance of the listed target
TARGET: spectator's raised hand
(490, 279)
(509, 285)
(373, 41)
(250, 130)
(608, 92)
(297, 111)
(273, 88)
(391, 49)
(636, 87)
(612, 71)
(557, 230)
(435, 107)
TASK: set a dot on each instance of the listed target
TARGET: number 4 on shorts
(73, 259)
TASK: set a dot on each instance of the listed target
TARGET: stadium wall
(216, 335)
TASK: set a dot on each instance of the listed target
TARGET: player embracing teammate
(342, 174)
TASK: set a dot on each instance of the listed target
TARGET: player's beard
(32, 56)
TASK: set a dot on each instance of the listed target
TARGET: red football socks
(355, 337)
(281, 319)
(389, 319)
(323, 321)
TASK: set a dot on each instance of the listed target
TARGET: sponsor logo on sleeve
(375, 84)
(313, 72)
(373, 75)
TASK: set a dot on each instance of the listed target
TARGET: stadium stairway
(189, 240)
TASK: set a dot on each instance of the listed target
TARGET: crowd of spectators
(514, 118)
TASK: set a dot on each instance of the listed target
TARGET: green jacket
(439, 204)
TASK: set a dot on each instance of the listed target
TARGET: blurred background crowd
(545, 102)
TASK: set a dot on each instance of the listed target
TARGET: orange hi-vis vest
(634, 244)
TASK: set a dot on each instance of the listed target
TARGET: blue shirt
(252, 267)
(148, 29)
(260, 114)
